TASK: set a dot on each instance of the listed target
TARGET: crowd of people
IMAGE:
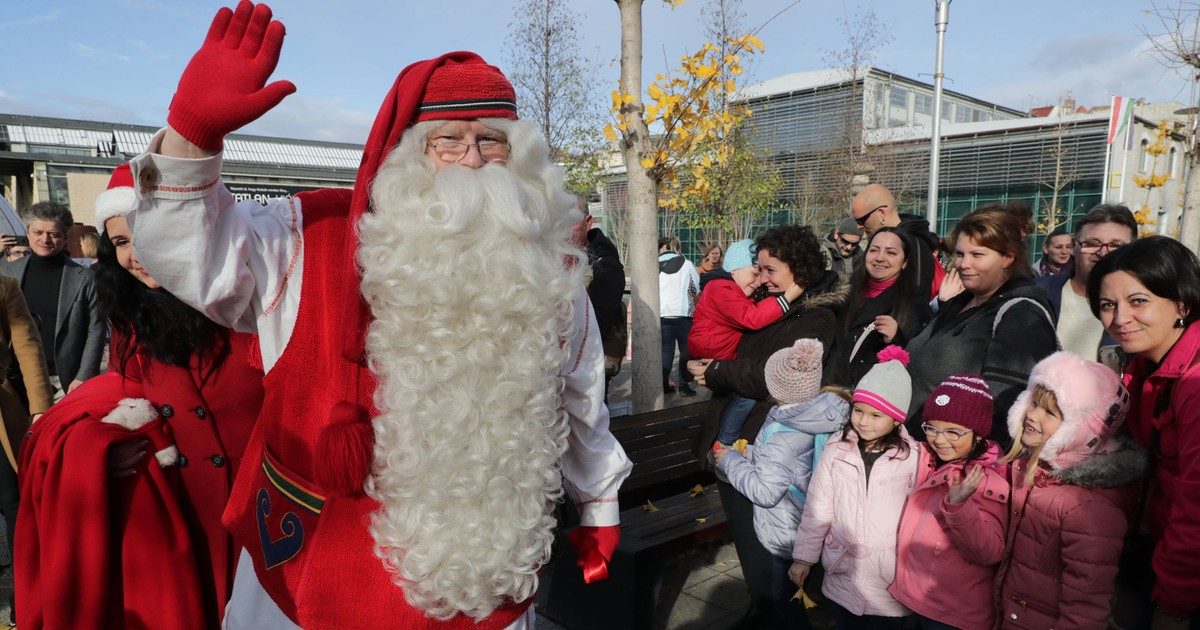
(313, 414)
(1016, 452)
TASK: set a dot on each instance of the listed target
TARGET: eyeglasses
(953, 435)
(845, 243)
(454, 150)
(1091, 245)
(866, 217)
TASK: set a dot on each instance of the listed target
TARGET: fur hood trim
(1125, 465)
(1092, 400)
(830, 292)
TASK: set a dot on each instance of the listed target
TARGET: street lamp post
(935, 146)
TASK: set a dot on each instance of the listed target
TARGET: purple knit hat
(962, 399)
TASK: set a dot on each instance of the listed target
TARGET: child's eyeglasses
(953, 435)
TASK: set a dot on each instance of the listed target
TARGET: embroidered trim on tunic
(295, 259)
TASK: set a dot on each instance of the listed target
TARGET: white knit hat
(887, 386)
(794, 373)
(118, 199)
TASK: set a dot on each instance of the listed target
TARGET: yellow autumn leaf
(702, 520)
(647, 163)
(627, 99)
(610, 134)
(803, 598)
(649, 507)
(697, 490)
(740, 445)
(730, 85)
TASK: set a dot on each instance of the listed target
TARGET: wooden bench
(660, 446)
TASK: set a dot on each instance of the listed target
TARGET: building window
(924, 104)
(962, 114)
(1146, 157)
(947, 108)
(978, 115)
(897, 107)
(1171, 160)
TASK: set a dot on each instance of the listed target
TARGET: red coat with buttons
(211, 411)
(946, 555)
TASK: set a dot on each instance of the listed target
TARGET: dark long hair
(157, 323)
(1162, 264)
(903, 291)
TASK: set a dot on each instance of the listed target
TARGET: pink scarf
(875, 287)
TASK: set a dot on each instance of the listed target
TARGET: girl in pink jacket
(1074, 486)
(855, 498)
(952, 530)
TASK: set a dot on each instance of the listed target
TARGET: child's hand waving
(961, 488)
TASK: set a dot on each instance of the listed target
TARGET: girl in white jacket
(855, 499)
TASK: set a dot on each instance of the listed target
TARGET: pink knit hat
(1093, 403)
(794, 374)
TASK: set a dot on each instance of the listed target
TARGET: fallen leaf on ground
(649, 507)
(702, 519)
(697, 490)
(803, 598)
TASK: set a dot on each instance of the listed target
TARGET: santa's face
(466, 143)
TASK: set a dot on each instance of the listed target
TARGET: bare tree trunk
(1189, 229)
(642, 213)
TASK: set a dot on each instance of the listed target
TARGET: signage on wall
(262, 192)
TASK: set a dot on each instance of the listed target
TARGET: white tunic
(242, 264)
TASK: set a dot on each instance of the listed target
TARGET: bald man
(874, 207)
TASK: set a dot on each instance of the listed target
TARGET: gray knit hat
(794, 374)
(887, 387)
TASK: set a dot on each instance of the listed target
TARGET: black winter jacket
(851, 358)
(927, 243)
(607, 287)
(746, 375)
(962, 342)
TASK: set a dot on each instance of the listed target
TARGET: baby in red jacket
(724, 312)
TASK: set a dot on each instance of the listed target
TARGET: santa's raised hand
(224, 86)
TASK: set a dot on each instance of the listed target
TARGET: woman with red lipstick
(1147, 296)
(998, 327)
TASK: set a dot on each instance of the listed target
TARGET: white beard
(464, 273)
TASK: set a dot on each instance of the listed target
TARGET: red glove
(595, 547)
(221, 89)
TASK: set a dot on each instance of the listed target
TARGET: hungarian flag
(1121, 119)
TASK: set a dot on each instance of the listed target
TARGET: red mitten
(222, 88)
(595, 547)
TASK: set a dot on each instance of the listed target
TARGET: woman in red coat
(200, 379)
(1147, 296)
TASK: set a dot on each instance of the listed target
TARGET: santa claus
(434, 376)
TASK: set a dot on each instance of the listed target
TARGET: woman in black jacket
(999, 327)
(787, 255)
(882, 307)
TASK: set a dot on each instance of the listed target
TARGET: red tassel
(345, 451)
(595, 547)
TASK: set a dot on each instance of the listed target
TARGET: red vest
(310, 544)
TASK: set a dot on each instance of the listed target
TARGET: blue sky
(119, 60)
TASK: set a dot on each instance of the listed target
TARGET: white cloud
(1092, 68)
(92, 52)
(329, 119)
(36, 19)
(144, 49)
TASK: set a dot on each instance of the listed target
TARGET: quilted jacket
(1065, 534)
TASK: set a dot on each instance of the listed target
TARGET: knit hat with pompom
(887, 387)
(794, 374)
